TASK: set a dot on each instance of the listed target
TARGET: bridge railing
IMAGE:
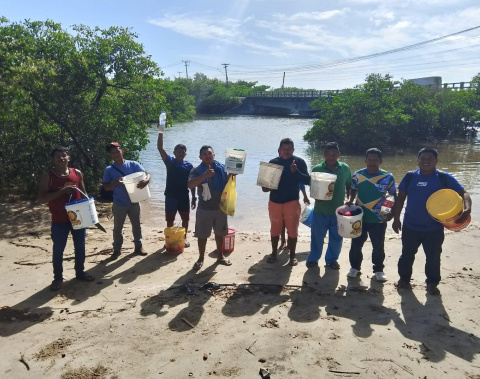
(290, 94)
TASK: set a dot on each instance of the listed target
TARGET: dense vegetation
(384, 113)
(80, 90)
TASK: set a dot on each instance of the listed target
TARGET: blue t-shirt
(419, 190)
(177, 177)
(120, 194)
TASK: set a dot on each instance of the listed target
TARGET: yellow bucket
(174, 239)
(445, 205)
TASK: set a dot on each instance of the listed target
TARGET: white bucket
(136, 194)
(269, 175)
(82, 213)
(307, 215)
(349, 226)
(322, 185)
(235, 161)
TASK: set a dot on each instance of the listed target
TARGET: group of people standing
(366, 187)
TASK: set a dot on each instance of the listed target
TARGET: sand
(139, 320)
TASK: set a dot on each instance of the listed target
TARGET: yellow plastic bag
(229, 197)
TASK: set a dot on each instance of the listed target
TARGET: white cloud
(317, 16)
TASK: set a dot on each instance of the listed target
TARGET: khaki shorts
(210, 219)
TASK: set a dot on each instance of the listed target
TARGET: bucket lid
(135, 177)
(444, 204)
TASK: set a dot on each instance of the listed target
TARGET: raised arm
(162, 152)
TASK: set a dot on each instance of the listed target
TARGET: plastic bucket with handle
(269, 175)
(136, 194)
(445, 206)
(349, 226)
(322, 185)
(229, 241)
(235, 161)
(82, 213)
(174, 239)
(306, 216)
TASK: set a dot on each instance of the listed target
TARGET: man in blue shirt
(122, 206)
(419, 228)
(176, 189)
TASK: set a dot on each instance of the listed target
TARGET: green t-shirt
(344, 178)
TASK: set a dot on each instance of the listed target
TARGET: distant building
(434, 82)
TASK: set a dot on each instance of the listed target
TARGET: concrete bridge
(283, 103)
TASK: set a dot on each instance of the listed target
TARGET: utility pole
(283, 82)
(186, 64)
(179, 74)
(226, 75)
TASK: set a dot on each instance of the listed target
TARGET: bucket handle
(78, 189)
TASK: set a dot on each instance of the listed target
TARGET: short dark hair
(59, 149)
(180, 146)
(374, 150)
(205, 147)
(286, 141)
(331, 146)
(428, 150)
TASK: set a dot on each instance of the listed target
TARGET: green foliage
(78, 90)
(383, 113)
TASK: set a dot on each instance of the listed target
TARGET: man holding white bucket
(324, 218)
(284, 205)
(419, 228)
(57, 187)
(370, 186)
(210, 177)
(122, 206)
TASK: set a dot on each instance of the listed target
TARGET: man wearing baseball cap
(122, 206)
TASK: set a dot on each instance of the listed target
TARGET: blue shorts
(172, 206)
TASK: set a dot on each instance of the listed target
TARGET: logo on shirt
(422, 184)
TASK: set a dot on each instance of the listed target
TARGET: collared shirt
(420, 188)
(344, 178)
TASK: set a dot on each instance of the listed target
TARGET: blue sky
(314, 42)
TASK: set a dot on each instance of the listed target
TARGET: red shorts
(288, 212)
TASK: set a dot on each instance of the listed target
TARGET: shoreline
(138, 320)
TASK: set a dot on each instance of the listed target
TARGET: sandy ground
(137, 320)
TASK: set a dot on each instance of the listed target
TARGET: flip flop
(293, 262)
(224, 262)
(272, 258)
(186, 244)
(198, 265)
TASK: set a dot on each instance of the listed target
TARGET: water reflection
(260, 137)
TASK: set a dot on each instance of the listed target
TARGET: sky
(308, 44)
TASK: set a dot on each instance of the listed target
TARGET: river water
(260, 136)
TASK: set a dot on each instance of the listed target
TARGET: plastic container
(306, 216)
(445, 205)
(162, 121)
(457, 227)
(174, 239)
(136, 194)
(82, 213)
(269, 175)
(349, 226)
(322, 185)
(229, 241)
(235, 161)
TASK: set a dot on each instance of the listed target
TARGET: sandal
(224, 262)
(198, 265)
(85, 277)
(186, 244)
(293, 262)
(272, 258)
